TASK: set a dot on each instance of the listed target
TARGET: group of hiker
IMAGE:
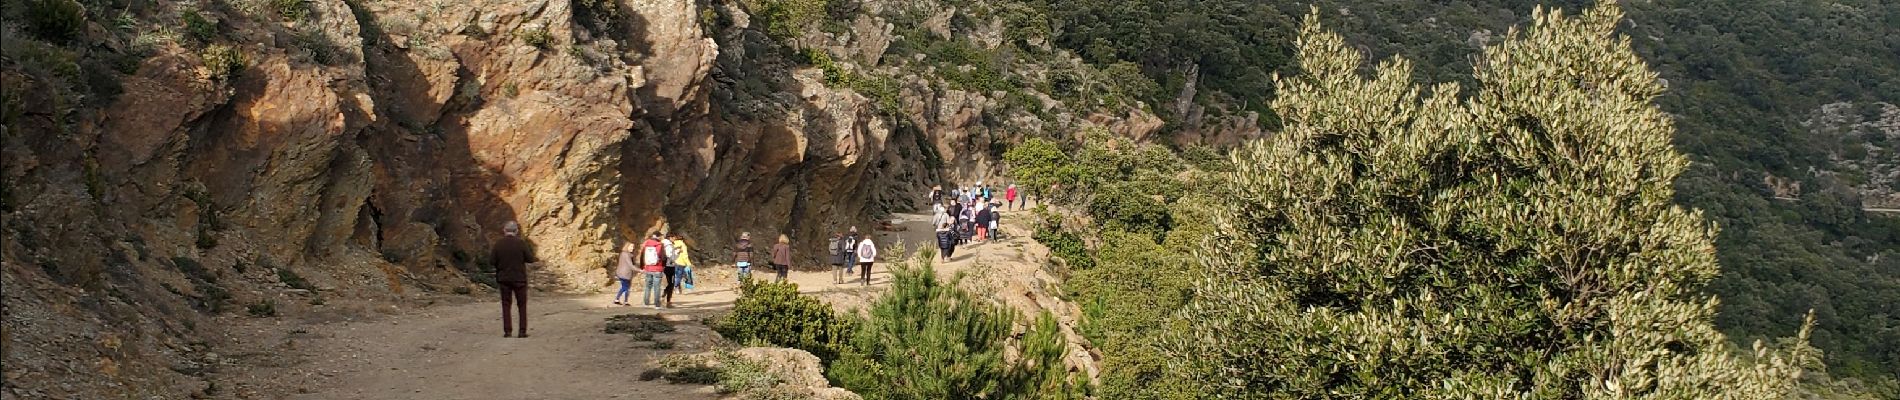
(961, 216)
(969, 214)
(666, 263)
(850, 252)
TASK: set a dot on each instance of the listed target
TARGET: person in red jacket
(653, 266)
(512, 256)
(1009, 197)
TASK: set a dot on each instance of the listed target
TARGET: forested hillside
(1760, 91)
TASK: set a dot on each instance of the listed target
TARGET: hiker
(782, 256)
(966, 225)
(996, 220)
(1009, 197)
(851, 250)
(938, 214)
(675, 257)
(512, 256)
(983, 222)
(687, 277)
(653, 266)
(989, 194)
(936, 194)
(867, 254)
(946, 241)
(742, 255)
(624, 274)
(835, 248)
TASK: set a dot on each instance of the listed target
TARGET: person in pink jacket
(1009, 196)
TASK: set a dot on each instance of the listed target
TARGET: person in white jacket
(867, 253)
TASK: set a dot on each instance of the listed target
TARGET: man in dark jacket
(850, 250)
(512, 257)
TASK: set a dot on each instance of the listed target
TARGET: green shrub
(1396, 244)
(206, 238)
(1065, 245)
(223, 62)
(694, 374)
(290, 278)
(775, 313)
(726, 371)
(58, 21)
(198, 28)
(263, 309)
(193, 269)
(1125, 303)
(787, 19)
(1038, 163)
(1128, 80)
(1127, 207)
(537, 36)
(930, 339)
(290, 10)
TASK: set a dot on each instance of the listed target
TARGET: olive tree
(1515, 241)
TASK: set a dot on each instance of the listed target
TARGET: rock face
(370, 149)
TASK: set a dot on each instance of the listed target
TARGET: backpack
(652, 255)
(832, 246)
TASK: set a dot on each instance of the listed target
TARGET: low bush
(223, 62)
(775, 313)
(291, 10)
(787, 19)
(536, 36)
(930, 339)
(290, 278)
(58, 21)
(1065, 245)
(263, 309)
(198, 28)
(726, 371)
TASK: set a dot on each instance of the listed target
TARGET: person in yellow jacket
(681, 257)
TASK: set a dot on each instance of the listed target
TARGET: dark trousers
(867, 272)
(670, 284)
(782, 271)
(949, 252)
(514, 295)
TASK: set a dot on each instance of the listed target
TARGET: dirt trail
(454, 348)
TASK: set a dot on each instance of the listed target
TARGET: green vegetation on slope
(1742, 78)
(925, 339)
(1395, 243)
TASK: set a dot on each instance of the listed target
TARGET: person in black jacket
(512, 256)
(946, 241)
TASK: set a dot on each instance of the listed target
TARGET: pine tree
(1516, 242)
(929, 339)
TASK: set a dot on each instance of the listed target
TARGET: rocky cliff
(171, 163)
